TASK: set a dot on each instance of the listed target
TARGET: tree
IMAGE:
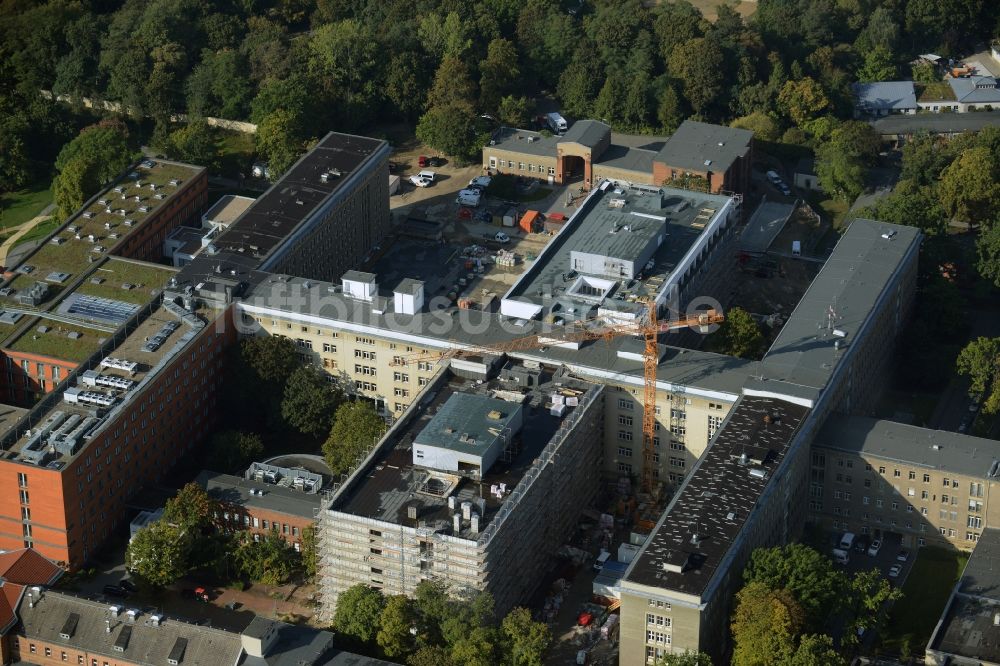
(454, 130)
(765, 625)
(190, 509)
(310, 401)
(980, 361)
(453, 85)
(882, 31)
(816, 650)
(477, 648)
(232, 451)
(271, 358)
(269, 559)
(525, 641)
(546, 36)
(97, 155)
(988, 249)
(805, 573)
(925, 72)
(879, 65)
(279, 140)
(514, 111)
(763, 126)
(839, 173)
(740, 334)
(356, 427)
(193, 143)
(407, 82)
(607, 105)
(925, 156)
(158, 553)
(870, 591)
(431, 655)
(699, 64)
(73, 186)
(579, 84)
(358, 614)
(970, 186)
(498, 73)
(395, 622)
(686, 658)
(310, 551)
(912, 206)
(669, 108)
(803, 100)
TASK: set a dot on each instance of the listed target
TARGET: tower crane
(647, 326)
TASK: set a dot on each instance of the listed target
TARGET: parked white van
(847, 541)
(841, 556)
(601, 559)
(469, 198)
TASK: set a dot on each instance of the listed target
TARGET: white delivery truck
(556, 122)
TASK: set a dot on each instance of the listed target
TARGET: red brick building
(261, 507)
(66, 502)
(720, 155)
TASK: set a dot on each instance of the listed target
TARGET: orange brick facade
(43, 653)
(67, 514)
(27, 376)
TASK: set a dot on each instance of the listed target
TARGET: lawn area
(19, 207)
(925, 594)
(39, 231)
(236, 151)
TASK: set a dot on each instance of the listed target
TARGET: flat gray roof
(885, 95)
(933, 449)
(464, 423)
(589, 230)
(706, 515)
(859, 270)
(390, 482)
(967, 626)
(455, 327)
(236, 490)
(936, 123)
(622, 157)
(982, 572)
(694, 142)
(525, 141)
(147, 644)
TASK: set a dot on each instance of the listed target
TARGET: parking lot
(883, 561)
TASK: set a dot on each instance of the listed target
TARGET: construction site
(456, 490)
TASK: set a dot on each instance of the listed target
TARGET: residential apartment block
(749, 489)
(928, 487)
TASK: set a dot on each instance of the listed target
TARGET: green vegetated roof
(108, 281)
(57, 343)
(939, 91)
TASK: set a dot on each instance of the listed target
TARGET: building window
(975, 489)
(624, 452)
(624, 420)
(625, 435)
(923, 494)
(401, 393)
(625, 404)
(975, 522)
(24, 496)
(625, 467)
(400, 377)
(329, 348)
(713, 424)
(22, 480)
(677, 462)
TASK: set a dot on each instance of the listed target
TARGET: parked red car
(422, 161)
